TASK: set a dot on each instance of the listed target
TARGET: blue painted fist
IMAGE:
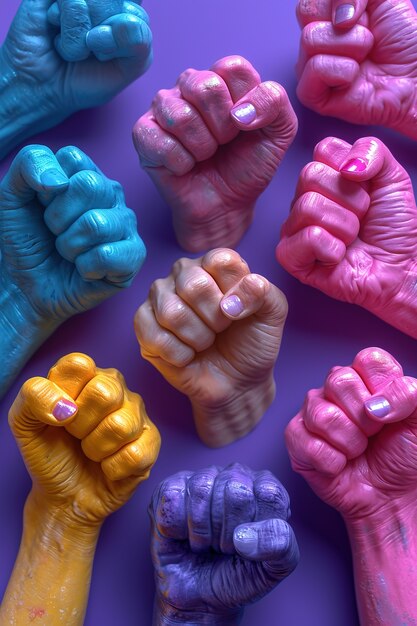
(59, 57)
(67, 239)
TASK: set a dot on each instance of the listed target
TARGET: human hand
(67, 55)
(358, 61)
(218, 526)
(352, 230)
(80, 403)
(212, 144)
(355, 439)
(214, 330)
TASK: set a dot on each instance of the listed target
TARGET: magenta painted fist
(212, 144)
(355, 443)
(358, 61)
(213, 330)
(352, 230)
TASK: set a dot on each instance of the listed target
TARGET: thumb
(266, 107)
(255, 294)
(347, 13)
(40, 402)
(395, 402)
(271, 541)
(368, 159)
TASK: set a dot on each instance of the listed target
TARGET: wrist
(224, 420)
(167, 615)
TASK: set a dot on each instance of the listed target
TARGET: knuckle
(171, 312)
(123, 425)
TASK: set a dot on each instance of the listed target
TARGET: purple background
(320, 332)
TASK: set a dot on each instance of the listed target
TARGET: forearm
(226, 421)
(21, 333)
(166, 615)
(51, 576)
(385, 570)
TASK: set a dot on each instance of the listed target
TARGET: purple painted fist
(358, 61)
(220, 540)
(212, 144)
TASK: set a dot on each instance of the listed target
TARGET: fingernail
(53, 178)
(64, 409)
(100, 39)
(344, 13)
(378, 407)
(244, 113)
(232, 305)
(355, 165)
(245, 539)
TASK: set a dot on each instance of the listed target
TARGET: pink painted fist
(212, 144)
(213, 330)
(352, 230)
(358, 61)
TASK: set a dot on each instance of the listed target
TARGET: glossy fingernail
(232, 305)
(355, 165)
(245, 539)
(344, 13)
(64, 409)
(53, 178)
(100, 39)
(244, 113)
(378, 407)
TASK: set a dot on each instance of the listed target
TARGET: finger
(312, 11)
(54, 14)
(72, 373)
(100, 11)
(199, 494)
(309, 452)
(180, 118)
(101, 396)
(272, 541)
(239, 75)
(75, 23)
(39, 403)
(272, 499)
(346, 14)
(225, 266)
(239, 504)
(329, 422)
(209, 94)
(168, 507)
(395, 402)
(322, 38)
(325, 180)
(157, 148)
(325, 10)
(35, 169)
(157, 342)
(311, 209)
(377, 368)
(267, 107)
(117, 262)
(321, 74)
(94, 228)
(174, 315)
(311, 244)
(346, 388)
(122, 36)
(73, 160)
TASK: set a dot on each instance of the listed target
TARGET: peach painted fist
(212, 144)
(358, 61)
(80, 403)
(214, 330)
(355, 439)
(352, 230)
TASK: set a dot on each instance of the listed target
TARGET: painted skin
(87, 443)
(67, 56)
(212, 144)
(358, 61)
(355, 443)
(67, 243)
(213, 330)
(351, 231)
(220, 540)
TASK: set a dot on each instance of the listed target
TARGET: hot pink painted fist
(358, 61)
(352, 230)
(212, 144)
(355, 439)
